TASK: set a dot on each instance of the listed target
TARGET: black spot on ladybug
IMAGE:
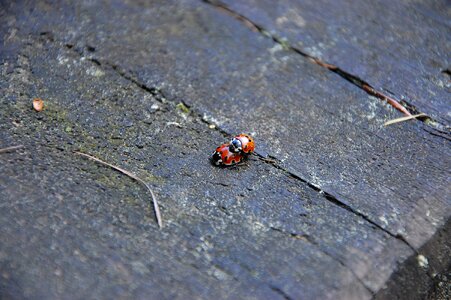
(216, 158)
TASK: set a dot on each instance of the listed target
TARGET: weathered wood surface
(346, 202)
(400, 47)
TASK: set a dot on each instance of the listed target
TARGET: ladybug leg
(238, 165)
(244, 163)
(253, 157)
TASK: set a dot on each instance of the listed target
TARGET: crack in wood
(307, 238)
(280, 292)
(401, 106)
(159, 96)
(334, 200)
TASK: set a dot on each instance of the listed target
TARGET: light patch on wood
(96, 72)
(423, 261)
(292, 16)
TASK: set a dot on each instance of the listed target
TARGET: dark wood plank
(229, 233)
(328, 220)
(400, 47)
(319, 126)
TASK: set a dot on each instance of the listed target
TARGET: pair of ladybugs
(232, 153)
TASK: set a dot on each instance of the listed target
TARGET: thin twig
(7, 149)
(129, 174)
(393, 102)
(402, 119)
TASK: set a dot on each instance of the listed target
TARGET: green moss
(284, 43)
(150, 178)
(55, 113)
(104, 178)
(131, 200)
(181, 106)
(54, 120)
(265, 33)
(430, 122)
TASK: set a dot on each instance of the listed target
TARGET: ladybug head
(235, 146)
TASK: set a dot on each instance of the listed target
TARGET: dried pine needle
(133, 176)
(403, 119)
(12, 148)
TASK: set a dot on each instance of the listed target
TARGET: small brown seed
(38, 104)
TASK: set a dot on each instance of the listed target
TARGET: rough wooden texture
(411, 282)
(401, 47)
(342, 204)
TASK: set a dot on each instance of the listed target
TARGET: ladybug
(224, 157)
(242, 143)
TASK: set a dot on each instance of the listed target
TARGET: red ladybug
(242, 143)
(224, 157)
